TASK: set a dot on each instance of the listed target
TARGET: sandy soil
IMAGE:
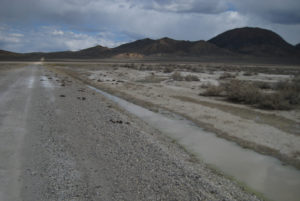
(274, 133)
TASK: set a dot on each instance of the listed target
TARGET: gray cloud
(87, 11)
(128, 20)
(275, 11)
(53, 39)
(196, 6)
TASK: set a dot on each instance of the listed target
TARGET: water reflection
(262, 173)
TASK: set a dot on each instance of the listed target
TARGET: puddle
(30, 82)
(262, 173)
(45, 82)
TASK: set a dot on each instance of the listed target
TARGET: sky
(57, 25)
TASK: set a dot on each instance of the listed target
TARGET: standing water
(262, 173)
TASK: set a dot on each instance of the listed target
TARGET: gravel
(80, 146)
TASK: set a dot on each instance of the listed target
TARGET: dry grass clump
(212, 90)
(226, 76)
(289, 92)
(286, 96)
(242, 92)
(177, 76)
(151, 79)
(140, 67)
(168, 69)
(143, 67)
(263, 85)
(190, 78)
(130, 65)
(274, 101)
(248, 73)
(197, 70)
(293, 84)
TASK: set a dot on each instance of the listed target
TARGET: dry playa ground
(59, 140)
(151, 85)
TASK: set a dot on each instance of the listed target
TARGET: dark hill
(93, 52)
(254, 41)
(6, 55)
(89, 53)
(205, 48)
(298, 46)
(3, 52)
(150, 47)
(168, 46)
(136, 46)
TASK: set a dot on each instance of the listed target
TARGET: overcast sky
(54, 25)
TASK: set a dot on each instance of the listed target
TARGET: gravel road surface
(61, 141)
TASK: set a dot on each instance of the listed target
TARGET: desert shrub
(290, 90)
(177, 76)
(191, 78)
(151, 79)
(212, 90)
(205, 85)
(274, 101)
(282, 85)
(226, 76)
(289, 84)
(198, 69)
(285, 97)
(238, 91)
(296, 83)
(194, 69)
(127, 66)
(149, 68)
(168, 69)
(247, 73)
(264, 85)
(292, 96)
(248, 93)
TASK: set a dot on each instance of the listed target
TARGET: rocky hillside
(254, 41)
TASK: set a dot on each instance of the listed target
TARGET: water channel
(261, 173)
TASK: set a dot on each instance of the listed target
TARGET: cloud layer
(43, 25)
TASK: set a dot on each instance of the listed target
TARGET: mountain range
(255, 42)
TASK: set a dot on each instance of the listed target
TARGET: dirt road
(61, 141)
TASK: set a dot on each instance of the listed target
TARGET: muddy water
(261, 173)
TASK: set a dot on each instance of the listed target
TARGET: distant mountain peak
(166, 39)
(254, 41)
(98, 47)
